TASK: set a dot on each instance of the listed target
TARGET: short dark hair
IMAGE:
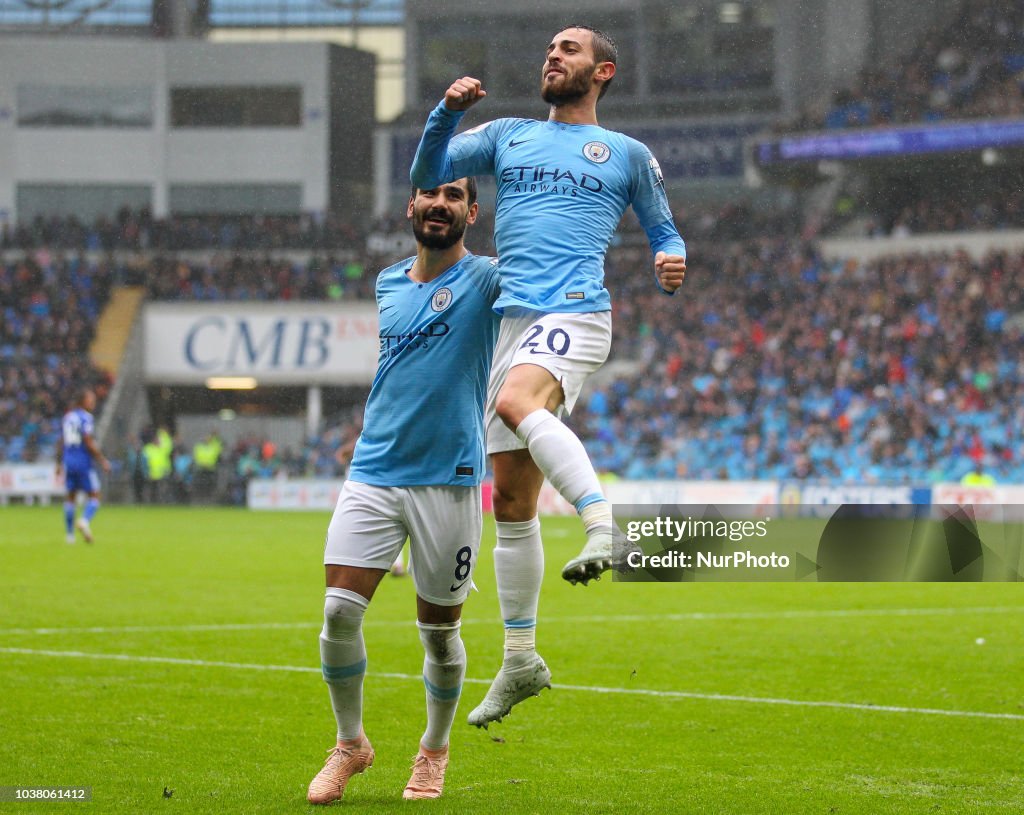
(470, 189)
(605, 49)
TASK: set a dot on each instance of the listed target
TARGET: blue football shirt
(562, 190)
(76, 425)
(424, 419)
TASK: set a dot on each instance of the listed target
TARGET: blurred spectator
(181, 474)
(206, 457)
(135, 466)
(978, 477)
(158, 451)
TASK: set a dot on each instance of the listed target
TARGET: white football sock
(563, 460)
(519, 570)
(444, 668)
(597, 517)
(343, 658)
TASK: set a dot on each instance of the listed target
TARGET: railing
(126, 410)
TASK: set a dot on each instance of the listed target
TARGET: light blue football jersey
(562, 190)
(76, 425)
(424, 419)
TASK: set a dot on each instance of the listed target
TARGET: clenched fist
(670, 270)
(463, 94)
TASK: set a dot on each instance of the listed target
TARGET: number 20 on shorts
(557, 340)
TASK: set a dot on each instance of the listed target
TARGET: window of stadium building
(235, 199)
(80, 106)
(239, 106)
(443, 58)
(87, 202)
(703, 48)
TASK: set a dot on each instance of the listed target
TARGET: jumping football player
(416, 472)
(563, 186)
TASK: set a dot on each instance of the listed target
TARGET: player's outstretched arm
(441, 156)
(651, 207)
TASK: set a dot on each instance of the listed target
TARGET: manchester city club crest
(597, 151)
(442, 299)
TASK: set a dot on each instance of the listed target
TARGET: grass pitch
(178, 657)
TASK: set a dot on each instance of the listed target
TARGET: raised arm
(651, 207)
(441, 156)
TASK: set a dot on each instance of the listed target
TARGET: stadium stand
(784, 365)
(50, 304)
(780, 364)
(777, 366)
(139, 230)
(965, 210)
(973, 67)
(260, 278)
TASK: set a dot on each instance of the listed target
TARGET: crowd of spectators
(780, 364)
(971, 67)
(324, 455)
(260, 277)
(131, 230)
(48, 310)
(952, 210)
(772, 362)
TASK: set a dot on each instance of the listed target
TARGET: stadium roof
(65, 14)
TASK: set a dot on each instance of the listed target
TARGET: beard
(436, 240)
(573, 87)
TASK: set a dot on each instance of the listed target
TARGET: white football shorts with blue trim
(569, 346)
(443, 524)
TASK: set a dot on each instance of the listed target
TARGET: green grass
(238, 739)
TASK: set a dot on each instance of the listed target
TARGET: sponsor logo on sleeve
(659, 179)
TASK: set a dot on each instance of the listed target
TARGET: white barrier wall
(294, 494)
(39, 480)
(975, 244)
(310, 494)
(29, 481)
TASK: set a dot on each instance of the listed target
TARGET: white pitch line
(663, 694)
(599, 618)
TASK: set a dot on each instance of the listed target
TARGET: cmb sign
(276, 343)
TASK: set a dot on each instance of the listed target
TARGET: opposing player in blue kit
(416, 471)
(562, 187)
(77, 457)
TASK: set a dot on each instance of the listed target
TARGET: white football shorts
(443, 524)
(570, 346)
